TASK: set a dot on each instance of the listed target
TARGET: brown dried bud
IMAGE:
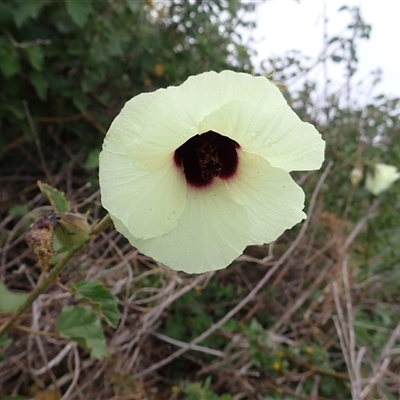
(39, 237)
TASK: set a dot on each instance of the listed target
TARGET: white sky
(286, 25)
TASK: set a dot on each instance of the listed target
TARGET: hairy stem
(44, 283)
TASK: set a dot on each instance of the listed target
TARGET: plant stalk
(54, 273)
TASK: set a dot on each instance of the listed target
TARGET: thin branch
(302, 298)
(55, 361)
(195, 347)
(350, 324)
(340, 324)
(384, 362)
(371, 213)
(76, 374)
(18, 45)
(357, 369)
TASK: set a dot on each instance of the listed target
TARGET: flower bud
(39, 237)
(356, 176)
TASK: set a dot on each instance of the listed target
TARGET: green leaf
(92, 160)
(35, 56)
(9, 301)
(18, 211)
(336, 58)
(14, 398)
(72, 229)
(4, 340)
(6, 15)
(83, 327)
(79, 10)
(56, 198)
(333, 40)
(40, 84)
(100, 298)
(26, 10)
(134, 6)
(9, 60)
(14, 108)
(80, 101)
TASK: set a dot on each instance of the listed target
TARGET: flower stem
(44, 283)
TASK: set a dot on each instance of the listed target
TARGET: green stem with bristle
(44, 283)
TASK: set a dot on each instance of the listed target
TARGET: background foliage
(71, 65)
(318, 329)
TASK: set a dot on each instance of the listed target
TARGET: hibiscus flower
(193, 174)
(381, 178)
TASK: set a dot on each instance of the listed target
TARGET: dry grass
(317, 292)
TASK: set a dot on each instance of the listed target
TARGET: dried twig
(384, 361)
(195, 347)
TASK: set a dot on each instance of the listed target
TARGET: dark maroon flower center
(207, 156)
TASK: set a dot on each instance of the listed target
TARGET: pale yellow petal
(212, 232)
(382, 178)
(126, 126)
(279, 135)
(150, 203)
(274, 202)
(176, 114)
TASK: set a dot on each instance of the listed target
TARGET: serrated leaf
(83, 327)
(79, 10)
(100, 298)
(40, 84)
(9, 301)
(56, 198)
(35, 56)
